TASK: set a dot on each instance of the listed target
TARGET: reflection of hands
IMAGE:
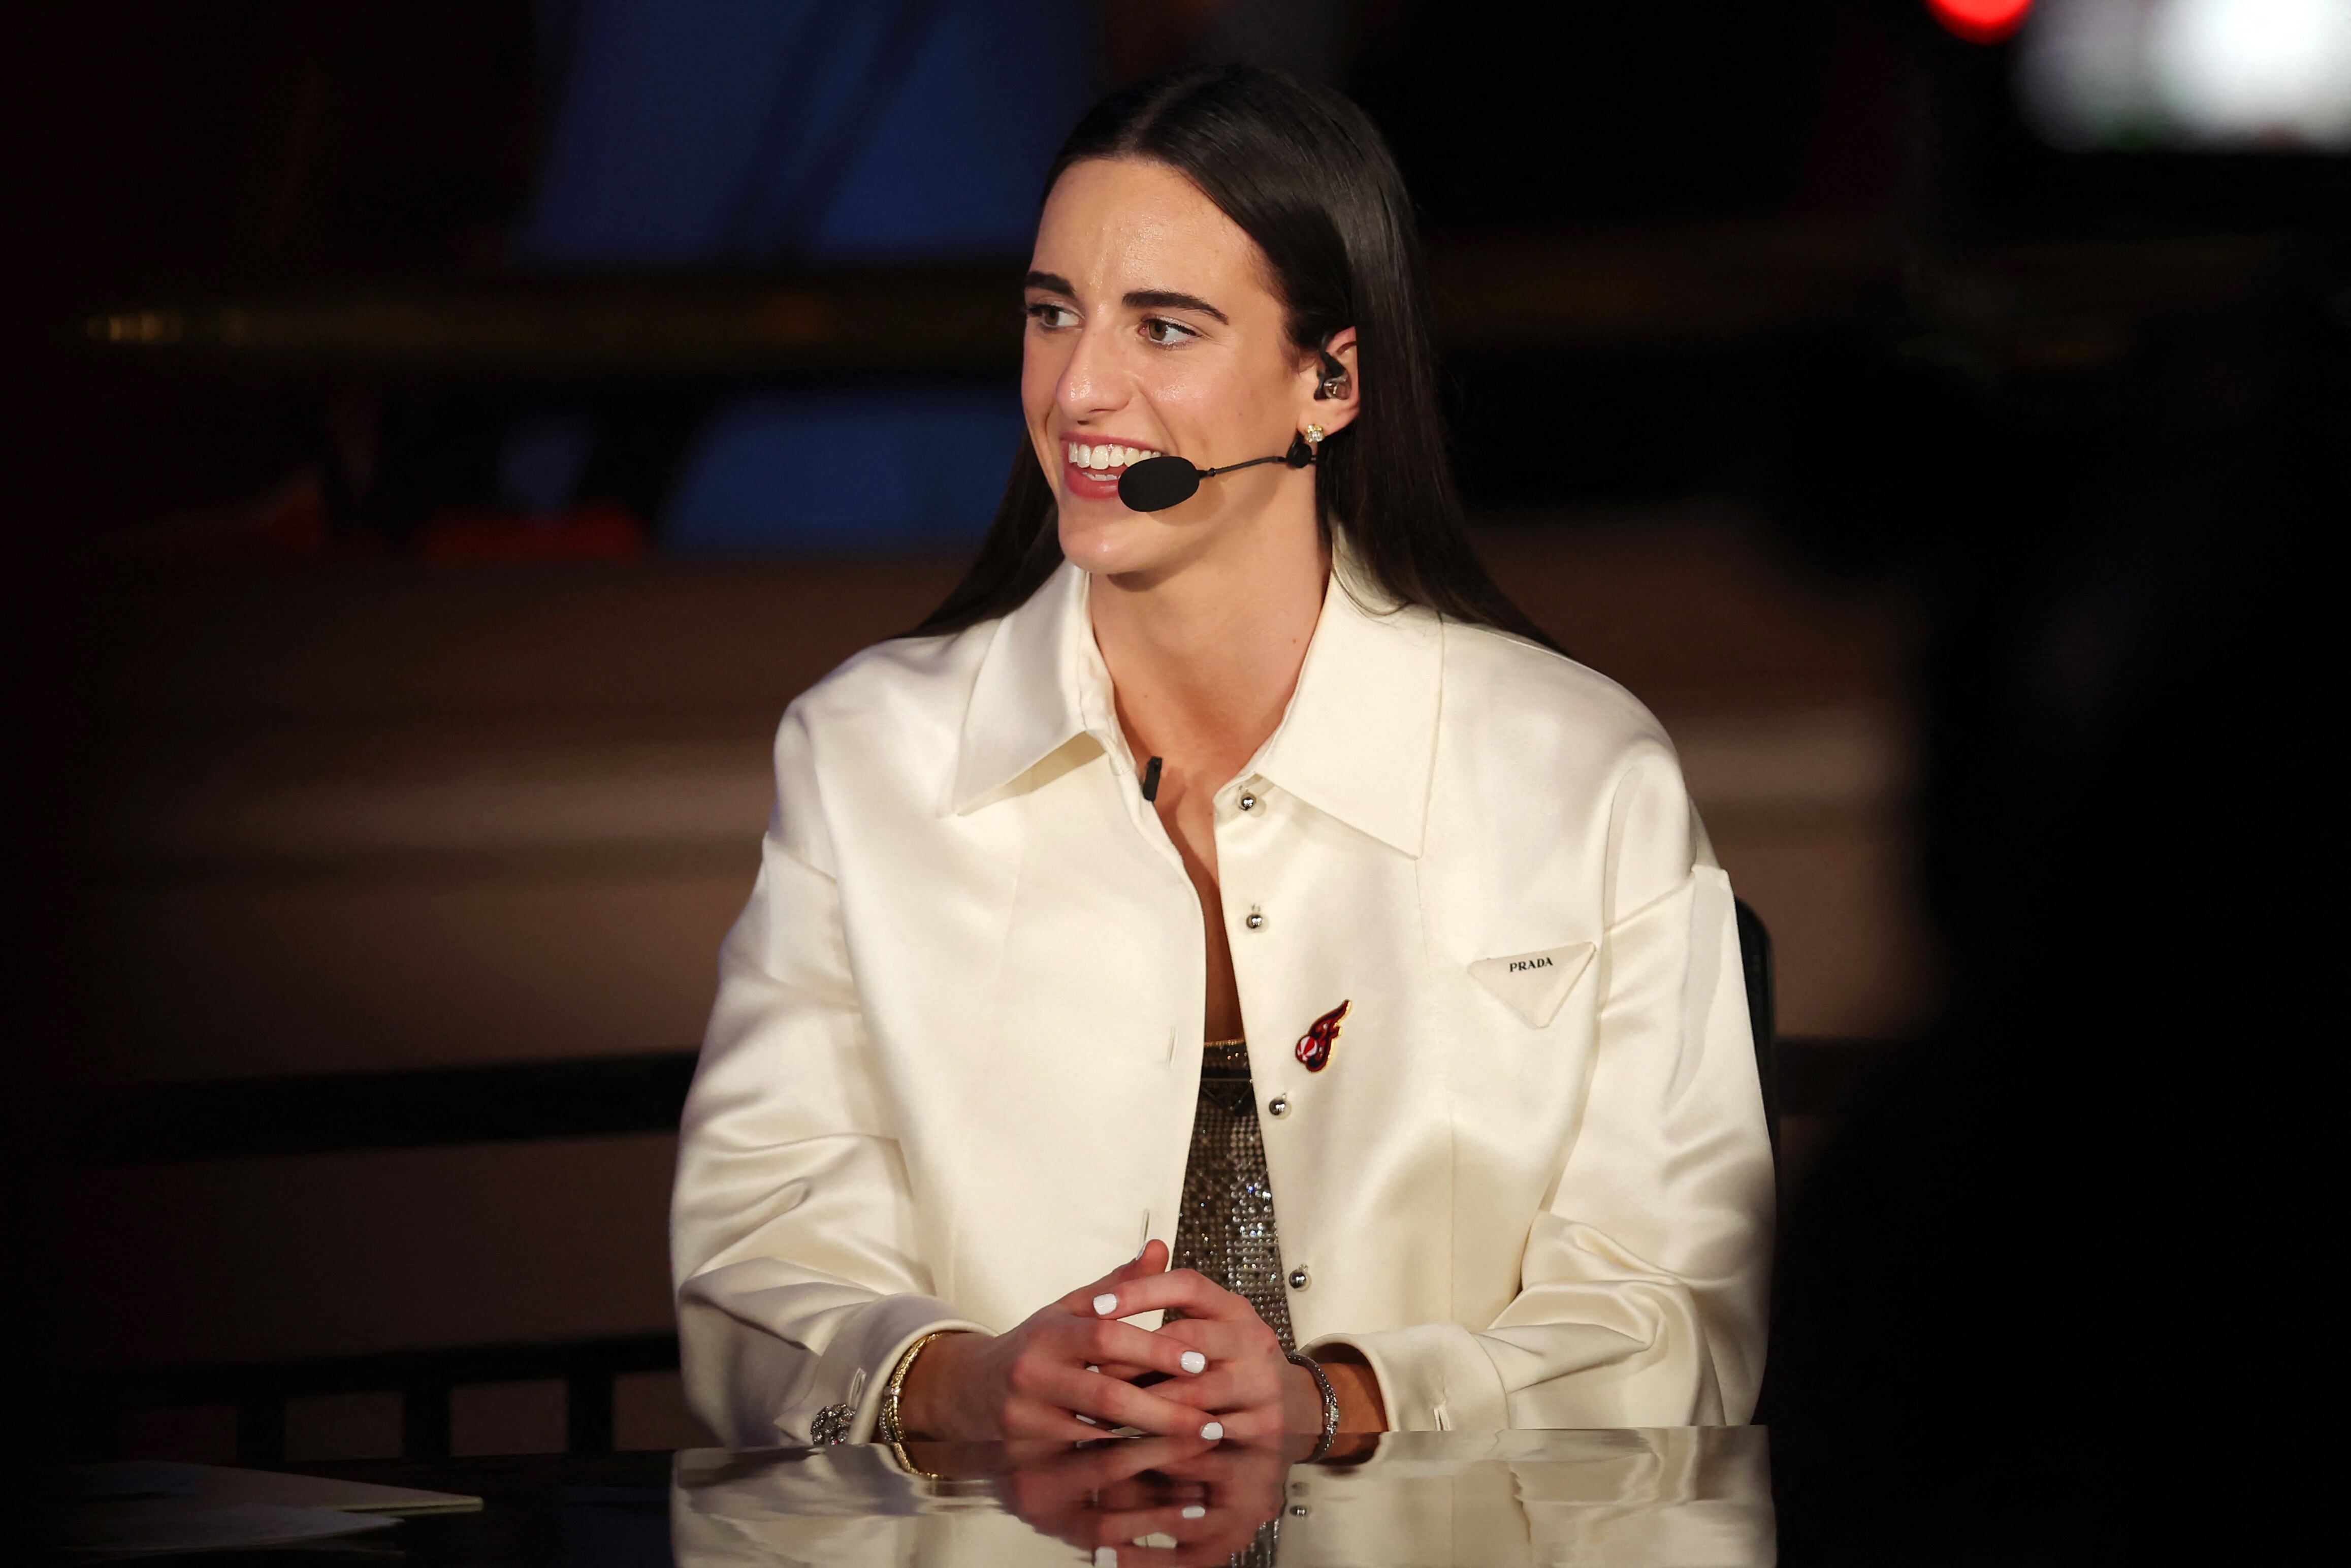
(1072, 1358)
(1210, 1498)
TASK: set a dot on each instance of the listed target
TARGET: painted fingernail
(1105, 1304)
(1093, 1369)
(1087, 1420)
(1213, 1431)
(1105, 1557)
(1194, 1362)
(1193, 1511)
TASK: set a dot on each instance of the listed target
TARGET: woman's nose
(1092, 383)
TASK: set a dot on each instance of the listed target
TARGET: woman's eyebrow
(1167, 300)
(1050, 282)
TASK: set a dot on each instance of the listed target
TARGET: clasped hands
(1074, 1370)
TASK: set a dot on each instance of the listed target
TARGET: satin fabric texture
(951, 1068)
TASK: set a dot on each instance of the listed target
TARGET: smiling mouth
(1107, 458)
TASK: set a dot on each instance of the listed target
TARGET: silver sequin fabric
(1227, 1229)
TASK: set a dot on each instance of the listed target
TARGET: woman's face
(1152, 328)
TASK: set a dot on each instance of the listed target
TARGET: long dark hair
(1304, 173)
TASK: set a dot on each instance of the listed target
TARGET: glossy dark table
(1686, 1497)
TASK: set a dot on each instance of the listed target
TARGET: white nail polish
(1194, 1362)
(1093, 1369)
(1213, 1431)
(1087, 1420)
(1105, 1557)
(1105, 1304)
(1193, 1511)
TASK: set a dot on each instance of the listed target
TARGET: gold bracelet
(885, 1425)
(906, 1463)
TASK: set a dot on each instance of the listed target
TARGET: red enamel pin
(1314, 1045)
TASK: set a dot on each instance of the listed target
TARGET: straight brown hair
(1303, 173)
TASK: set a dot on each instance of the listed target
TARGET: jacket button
(1254, 921)
(1248, 801)
(1299, 1278)
(1278, 1106)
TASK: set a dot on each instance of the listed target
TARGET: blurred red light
(1980, 21)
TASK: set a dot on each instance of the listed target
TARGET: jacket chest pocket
(1534, 983)
(1520, 1061)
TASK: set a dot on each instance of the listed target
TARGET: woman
(1278, 764)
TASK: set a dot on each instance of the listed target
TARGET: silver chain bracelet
(1329, 1403)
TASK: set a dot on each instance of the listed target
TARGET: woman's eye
(1164, 332)
(1049, 315)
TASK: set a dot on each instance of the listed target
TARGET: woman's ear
(1338, 390)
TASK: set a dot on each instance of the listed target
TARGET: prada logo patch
(1533, 985)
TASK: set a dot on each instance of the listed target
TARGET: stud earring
(1314, 433)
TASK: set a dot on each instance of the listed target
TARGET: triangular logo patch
(1533, 985)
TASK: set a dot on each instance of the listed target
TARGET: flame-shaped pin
(1314, 1045)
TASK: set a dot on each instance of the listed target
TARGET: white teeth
(1107, 456)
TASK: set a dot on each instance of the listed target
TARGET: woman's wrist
(1301, 1400)
(1360, 1408)
(925, 1388)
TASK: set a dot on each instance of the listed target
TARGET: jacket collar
(1357, 743)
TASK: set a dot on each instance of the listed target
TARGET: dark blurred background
(444, 436)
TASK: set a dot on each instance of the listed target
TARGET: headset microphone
(1157, 484)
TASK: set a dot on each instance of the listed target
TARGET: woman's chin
(1116, 541)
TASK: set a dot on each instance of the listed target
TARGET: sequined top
(1226, 1229)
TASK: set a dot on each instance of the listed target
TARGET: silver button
(1278, 1106)
(1254, 920)
(1299, 1278)
(1297, 1510)
(1248, 801)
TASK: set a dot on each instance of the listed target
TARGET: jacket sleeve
(1642, 1297)
(792, 1235)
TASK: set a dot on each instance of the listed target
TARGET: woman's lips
(1091, 470)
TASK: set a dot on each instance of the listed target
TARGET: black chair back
(1762, 1013)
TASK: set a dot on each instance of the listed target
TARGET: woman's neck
(1204, 658)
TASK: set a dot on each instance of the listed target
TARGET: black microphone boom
(1157, 484)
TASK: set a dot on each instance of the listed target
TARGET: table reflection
(1684, 1496)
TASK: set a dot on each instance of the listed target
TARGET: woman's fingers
(1222, 1340)
(1222, 1389)
(1209, 1542)
(1194, 1291)
(1026, 1417)
(1092, 1476)
(1107, 1343)
(1185, 1521)
(1244, 1365)
(1115, 1403)
(1151, 1261)
(1253, 1423)
(1125, 1371)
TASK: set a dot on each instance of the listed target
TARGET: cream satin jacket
(952, 1066)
